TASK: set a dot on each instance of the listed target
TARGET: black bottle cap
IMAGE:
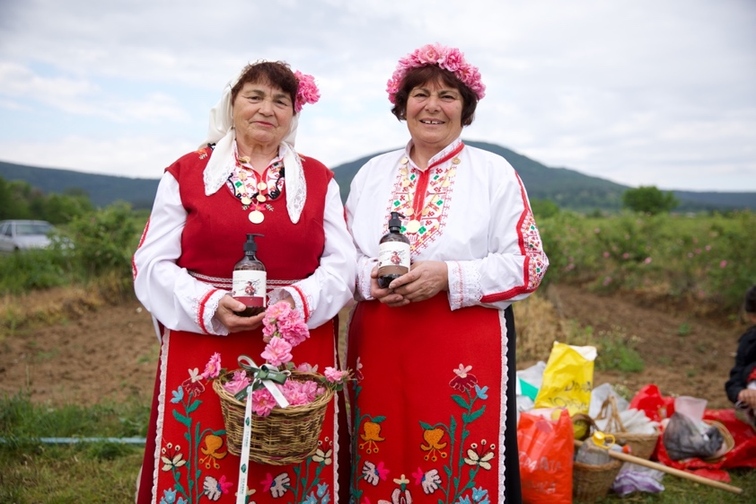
(395, 221)
(250, 245)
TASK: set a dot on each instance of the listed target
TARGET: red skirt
(428, 410)
(186, 454)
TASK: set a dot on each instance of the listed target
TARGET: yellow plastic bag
(568, 379)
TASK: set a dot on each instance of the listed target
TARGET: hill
(568, 188)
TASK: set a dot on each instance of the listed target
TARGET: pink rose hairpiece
(447, 58)
(307, 91)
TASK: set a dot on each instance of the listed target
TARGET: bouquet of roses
(283, 329)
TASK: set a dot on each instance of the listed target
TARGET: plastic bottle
(249, 280)
(595, 449)
(393, 252)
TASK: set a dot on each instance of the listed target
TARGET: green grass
(33, 471)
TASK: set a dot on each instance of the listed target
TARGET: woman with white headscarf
(246, 178)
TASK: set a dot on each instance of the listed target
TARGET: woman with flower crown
(432, 414)
(245, 178)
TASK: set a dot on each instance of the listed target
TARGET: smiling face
(262, 116)
(434, 115)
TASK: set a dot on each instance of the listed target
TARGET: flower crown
(447, 58)
(307, 91)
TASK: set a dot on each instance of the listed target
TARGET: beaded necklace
(257, 191)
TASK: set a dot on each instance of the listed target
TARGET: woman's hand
(424, 280)
(747, 396)
(385, 296)
(226, 316)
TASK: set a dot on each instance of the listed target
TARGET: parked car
(18, 235)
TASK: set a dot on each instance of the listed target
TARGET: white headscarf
(222, 161)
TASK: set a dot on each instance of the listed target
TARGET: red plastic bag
(650, 400)
(546, 449)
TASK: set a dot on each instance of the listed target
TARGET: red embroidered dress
(429, 408)
(182, 267)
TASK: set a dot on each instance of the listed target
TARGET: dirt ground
(108, 353)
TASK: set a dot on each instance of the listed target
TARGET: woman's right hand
(385, 296)
(226, 316)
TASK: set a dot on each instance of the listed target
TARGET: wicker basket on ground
(641, 445)
(286, 436)
(592, 482)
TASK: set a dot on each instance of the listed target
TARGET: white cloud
(636, 91)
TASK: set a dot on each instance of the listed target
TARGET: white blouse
(170, 293)
(476, 218)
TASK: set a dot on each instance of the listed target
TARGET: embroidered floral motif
(213, 488)
(371, 436)
(276, 486)
(171, 457)
(206, 447)
(429, 481)
(464, 380)
(434, 207)
(452, 467)
(373, 473)
(480, 457)
(434, 445)
(169, 497)
(212, 451)
(534, 250)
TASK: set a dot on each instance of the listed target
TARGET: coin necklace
(419, 209)
(252, 191)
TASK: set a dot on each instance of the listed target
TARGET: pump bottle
(393, 252)
(249, 280)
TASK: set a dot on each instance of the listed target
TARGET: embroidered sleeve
(515, 262)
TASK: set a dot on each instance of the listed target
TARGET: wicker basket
(286, 436)
(641, 445)
(727, 445)
(591, 482)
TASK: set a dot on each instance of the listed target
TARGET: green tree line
(19, 200)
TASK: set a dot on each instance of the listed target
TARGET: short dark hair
(432, 73)
(750, 300)
(275, 73)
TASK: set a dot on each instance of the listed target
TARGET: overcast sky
(640, 92)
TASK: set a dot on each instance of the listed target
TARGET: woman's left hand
(424, 280)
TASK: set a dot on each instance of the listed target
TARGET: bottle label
(394, 254)
(249, 287)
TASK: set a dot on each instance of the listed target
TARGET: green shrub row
(706, 260)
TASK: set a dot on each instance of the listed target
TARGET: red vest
(217, 225)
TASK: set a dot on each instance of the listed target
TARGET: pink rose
(262, 402)
(237, 383)
(213, 367)
(277, 352)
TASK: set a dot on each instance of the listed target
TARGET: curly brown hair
(432, 73)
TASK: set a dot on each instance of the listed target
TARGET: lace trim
(161, 406)
(504, 398)
(464, 284)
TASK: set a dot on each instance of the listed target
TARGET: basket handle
(610, 411)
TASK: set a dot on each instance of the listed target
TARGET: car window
(32, 228)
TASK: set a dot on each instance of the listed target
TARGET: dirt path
(109, 353)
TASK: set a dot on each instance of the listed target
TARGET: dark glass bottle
(249, 280)
(393, 252)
